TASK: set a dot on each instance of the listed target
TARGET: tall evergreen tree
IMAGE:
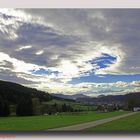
(64, 108)
(36, 106)
(1, 108)
(24, 107)
(4, 108)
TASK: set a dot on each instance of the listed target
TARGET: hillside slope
(12, 92)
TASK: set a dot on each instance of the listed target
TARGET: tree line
(28, 106)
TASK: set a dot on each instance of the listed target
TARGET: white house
(136, 109)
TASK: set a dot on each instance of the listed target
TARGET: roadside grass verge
(131, 123)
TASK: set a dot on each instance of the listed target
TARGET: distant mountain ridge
(119, 99)
(101, 99)
(71, 97)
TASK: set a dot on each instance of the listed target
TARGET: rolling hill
(12, 92)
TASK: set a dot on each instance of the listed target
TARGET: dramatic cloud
(50, 49)
(136, 83)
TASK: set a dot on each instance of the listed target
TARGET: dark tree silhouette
(24, 107)
(4, 108)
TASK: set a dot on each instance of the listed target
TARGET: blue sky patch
(104, 60)
(108, 78)
(42, 71)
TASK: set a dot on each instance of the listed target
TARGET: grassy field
(75, 105)
(131, 123)
(46, 122)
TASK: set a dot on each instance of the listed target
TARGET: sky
(71, 51)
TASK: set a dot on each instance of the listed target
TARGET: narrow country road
(83, 126)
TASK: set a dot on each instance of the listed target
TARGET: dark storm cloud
(8, 75)
(40, 38)
(70, 30)
(6, 64)
(43, 36)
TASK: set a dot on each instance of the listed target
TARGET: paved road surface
(83, 126)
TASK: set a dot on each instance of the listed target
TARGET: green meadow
(74, 105)
(51, 121)
(131, 123)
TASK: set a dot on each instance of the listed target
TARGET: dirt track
(83, 126)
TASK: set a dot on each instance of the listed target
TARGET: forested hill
(13, 92)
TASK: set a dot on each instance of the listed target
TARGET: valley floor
(84, 126)
(53, 121)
